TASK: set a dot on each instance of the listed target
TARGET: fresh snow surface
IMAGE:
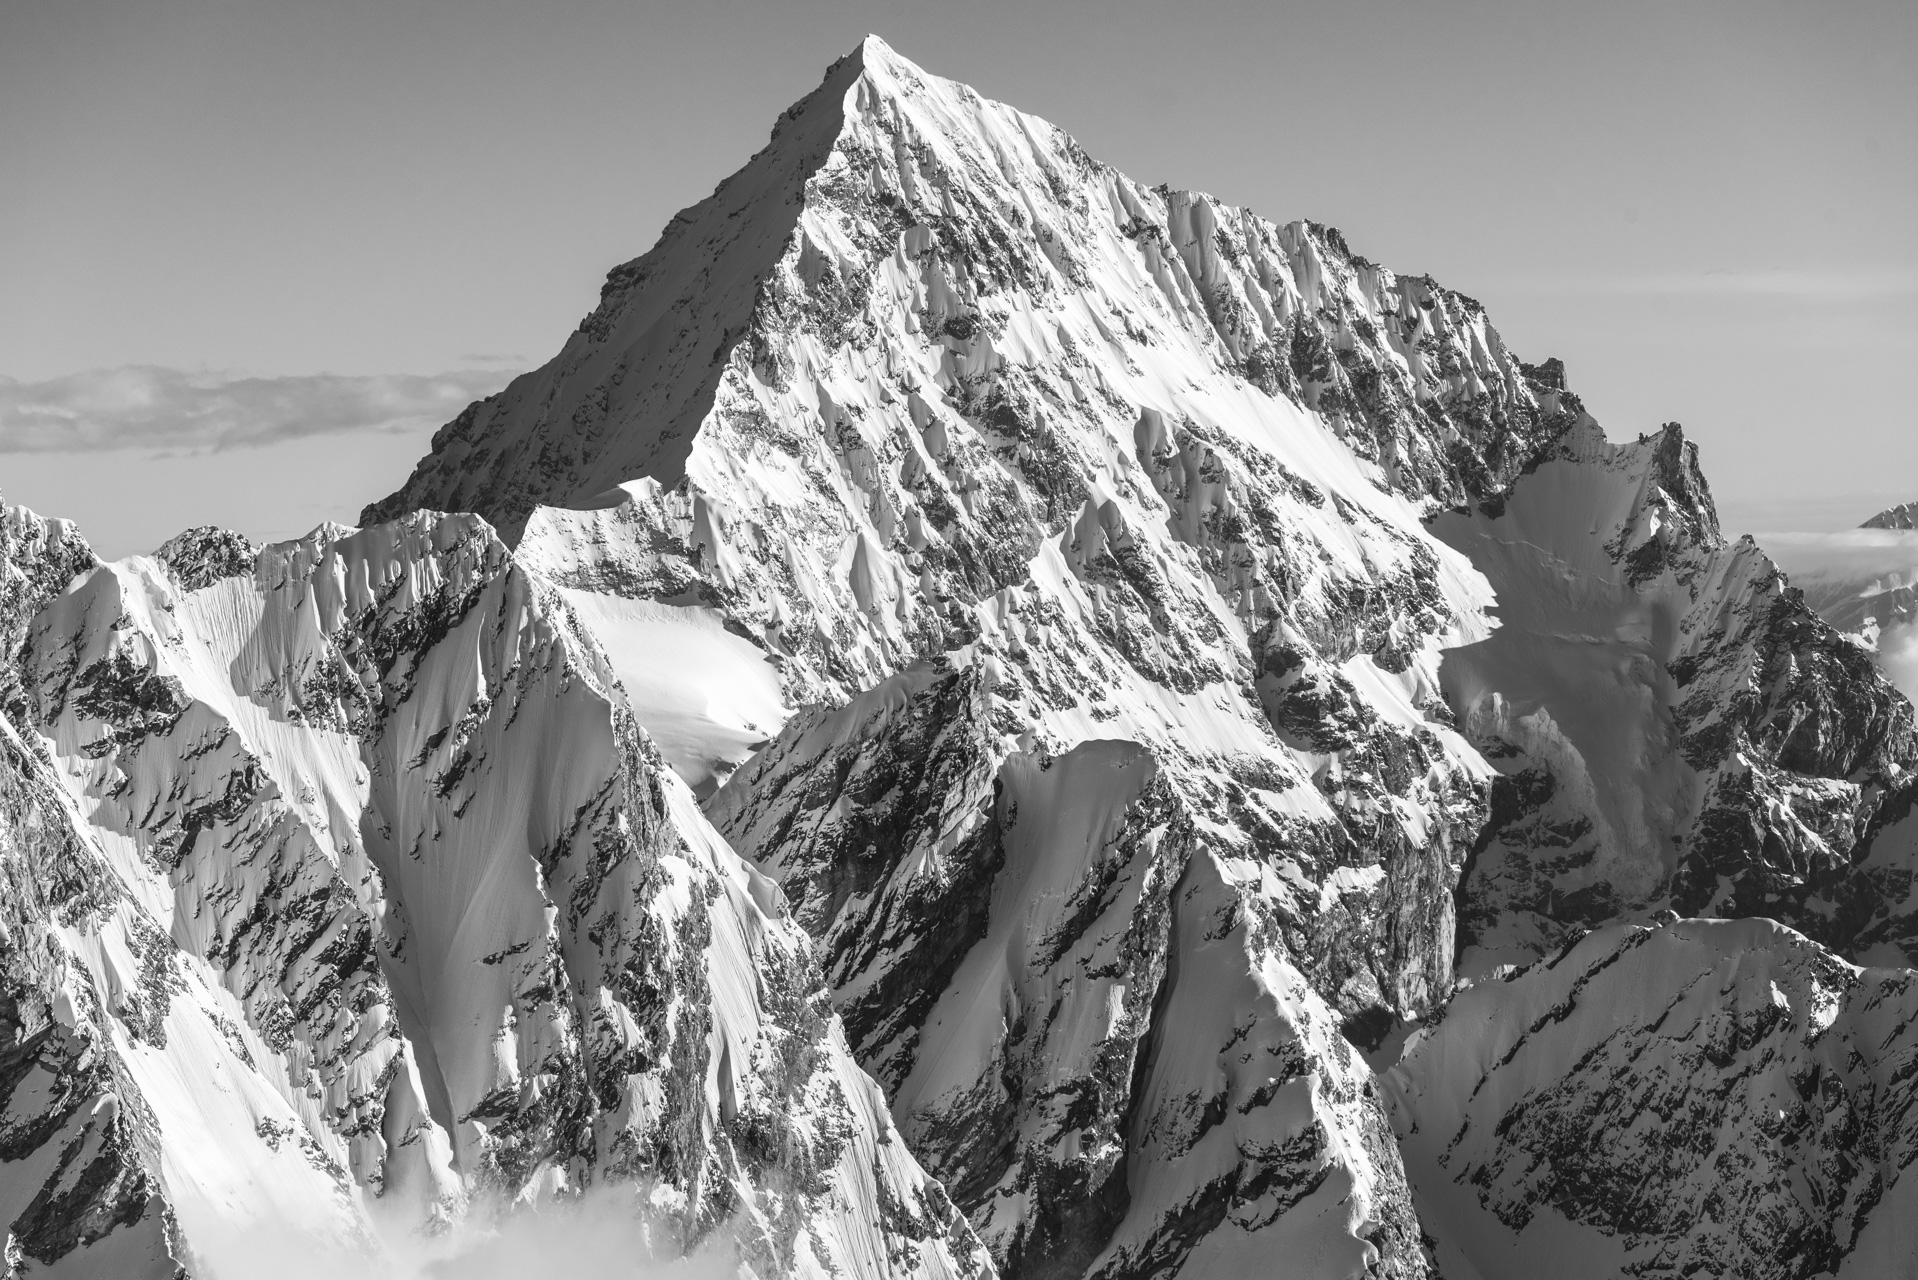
(707, 697)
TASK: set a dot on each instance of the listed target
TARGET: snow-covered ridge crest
(380, 801)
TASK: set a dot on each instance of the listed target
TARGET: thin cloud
(1898, 655)
(1795, 515)
(147, 407)
(1828, 287)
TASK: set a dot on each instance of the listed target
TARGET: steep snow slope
(458, 934)
(139, 1133)
(1674, 725)
(118, 1161)
(1066, 972)
(1717, 1098)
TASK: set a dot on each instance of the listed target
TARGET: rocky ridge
(392, 972)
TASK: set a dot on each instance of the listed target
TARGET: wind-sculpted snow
(458, 936)
(1674, 725)
(1720, 1098)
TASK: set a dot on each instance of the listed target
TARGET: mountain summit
(977, 717)
(1904, 516)
(807, 237)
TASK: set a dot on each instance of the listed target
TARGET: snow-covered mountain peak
(1114, 668)
(944, 318)
(1903, 516)
(1078, 595)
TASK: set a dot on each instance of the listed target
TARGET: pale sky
(295, 236)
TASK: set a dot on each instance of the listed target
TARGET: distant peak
(884, 68)
(871, 53)
(1903, 516)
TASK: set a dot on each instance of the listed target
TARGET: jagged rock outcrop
(1864, 582)
(80, 1187)
(38, 559)
(203, 555)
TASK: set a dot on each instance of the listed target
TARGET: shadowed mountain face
(978, 715)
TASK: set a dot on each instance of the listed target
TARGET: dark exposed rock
(204, 554)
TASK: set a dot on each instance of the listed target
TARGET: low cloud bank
(1836, 287)
(148, 407)
(605, 1234)
(1898, 656)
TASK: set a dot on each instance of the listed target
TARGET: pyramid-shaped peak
(876, 63)
(875, 49)
(877, 80)
(900, 217)
(875, 55)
